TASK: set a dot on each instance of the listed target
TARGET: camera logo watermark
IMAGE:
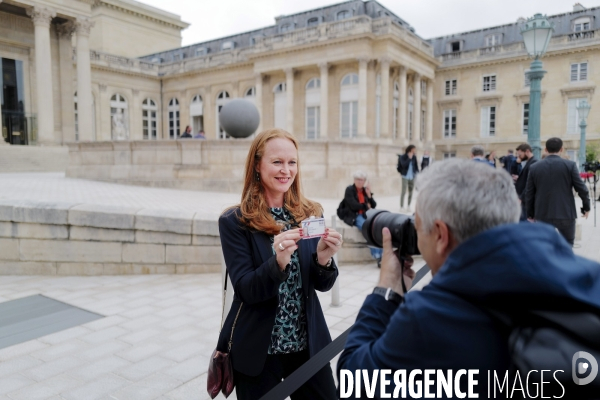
(581, 367)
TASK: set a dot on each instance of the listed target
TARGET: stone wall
(218, 165)
(39, 238)
(80, 239)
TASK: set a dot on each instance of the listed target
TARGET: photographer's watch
(389, 295)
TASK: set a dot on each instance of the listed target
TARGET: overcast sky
(211, 19)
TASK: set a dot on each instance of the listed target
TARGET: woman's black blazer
(256, 277)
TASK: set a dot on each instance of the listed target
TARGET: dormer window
(201, 51)
(312, 22)
(454, 47)
(229, 45)
(345, 14)
(581, 24)
(285, 28)
(493, 40)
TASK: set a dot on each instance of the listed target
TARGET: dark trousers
(566, 227)
(278, 367)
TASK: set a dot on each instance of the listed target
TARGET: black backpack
(553, 340)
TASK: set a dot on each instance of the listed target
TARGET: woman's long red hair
(255, 212)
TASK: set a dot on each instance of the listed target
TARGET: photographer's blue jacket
(442, 327)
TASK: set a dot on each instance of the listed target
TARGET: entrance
(16, 126)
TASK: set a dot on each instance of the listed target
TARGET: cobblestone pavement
(159, 330)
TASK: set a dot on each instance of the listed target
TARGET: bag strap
(224, 298)
(233, 327)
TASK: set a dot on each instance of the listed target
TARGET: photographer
(466, 216)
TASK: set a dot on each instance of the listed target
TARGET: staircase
(33, 158)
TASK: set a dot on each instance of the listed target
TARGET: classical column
(385, 98)
(402, 111)
(289, 90)
(84, 80)
(324, 107)
(417, 108)
(362, 97)
(67, 84)
(258, 90)
(429, 111)
(43, 72)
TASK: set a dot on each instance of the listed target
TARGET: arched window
(149, 110)
(251, 92)
(197, 114)
(349, 106)
(173, 118)
(411, 112)
(280, 106)
(119, 117)
(222, 99)
(396, 106)
(343, 15)
(313, 108)
(285, 28)
(312, 22)
(350, 79)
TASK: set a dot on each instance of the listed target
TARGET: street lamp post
(536, 35)
(583, 109)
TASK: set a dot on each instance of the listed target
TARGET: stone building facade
(353, 71)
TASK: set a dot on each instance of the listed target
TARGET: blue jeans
(376, 252)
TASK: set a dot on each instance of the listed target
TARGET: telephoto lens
(401, 226)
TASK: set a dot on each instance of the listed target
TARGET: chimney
(578, 7)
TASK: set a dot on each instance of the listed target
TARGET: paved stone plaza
(159, 330)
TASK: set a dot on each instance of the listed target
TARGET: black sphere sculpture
(239, 118)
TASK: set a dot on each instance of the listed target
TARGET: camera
(591, 166)
(401, 226)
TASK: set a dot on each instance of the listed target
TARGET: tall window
(527, 80)
(251, 92)
(410, 114)
(423, 127)
(197, 114)
(343, 15)
(149, 119)
(488, 121)
(573, 116)
(313, 108)
(280, 105)
(449, 123)
(349, 106)
(173, 118)
(450, 87)
(395, 108)
(119, 117)
(423, 88)
(489, 83)
(222, 99)
(525, 118)
(579, 72)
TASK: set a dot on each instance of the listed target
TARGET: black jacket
(256, 278)
(404, 161)
(521, 183)
(549, 192)
(424, 163)
(350, 206)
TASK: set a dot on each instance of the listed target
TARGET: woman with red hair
(279, 323)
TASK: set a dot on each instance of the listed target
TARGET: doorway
(15, 124)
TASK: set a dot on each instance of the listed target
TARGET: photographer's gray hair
(477, 150)
(470, 197)
(359, 175)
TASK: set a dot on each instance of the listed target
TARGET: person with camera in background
(475, 250)
(549, 192)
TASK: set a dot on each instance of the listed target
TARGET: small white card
(313, 227)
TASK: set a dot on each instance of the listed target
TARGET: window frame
(580, 74)
(149, 108)
(451, 87)
(525, 119)
(490, 128)
(491, 84)
(448, 121)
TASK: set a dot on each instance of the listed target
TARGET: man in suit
(508, 161)
(549, 191)
(526, 160)
(477, 153)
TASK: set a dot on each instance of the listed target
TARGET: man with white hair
(466, 222)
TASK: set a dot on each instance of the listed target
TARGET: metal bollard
(335, 291)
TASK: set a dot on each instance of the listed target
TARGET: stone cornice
(578, 90)
(171, 22)
(488, 98)
(446, 103)
(124, 72)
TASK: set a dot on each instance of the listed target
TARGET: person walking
(520, 173)
(425, 160)
(549, 191)
(408, 169)
(279, 323)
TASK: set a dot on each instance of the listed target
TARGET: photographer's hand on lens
(285, 244)
(328, 245)
(391, 270)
